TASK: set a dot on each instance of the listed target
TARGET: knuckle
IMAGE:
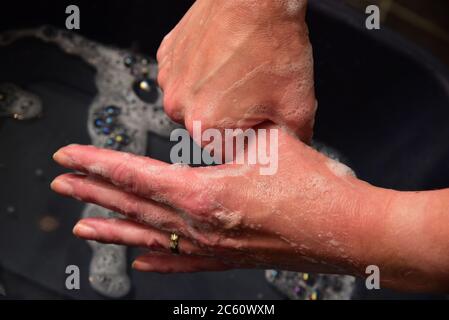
(87, 197)
(161, 78)
(203, 197)
(83, 192)
(125, 176)
(210, 242)
(168, 269)
(162, 48)
(159, 54)
(202, 202)
(189, 119)
(161, 51)
(114, 238)
(154, 244)
(130, 208)
(172, 106)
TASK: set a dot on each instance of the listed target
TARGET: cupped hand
(236, 64)
(310, 215)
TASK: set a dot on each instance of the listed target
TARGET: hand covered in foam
(236, 64)
(305, 217)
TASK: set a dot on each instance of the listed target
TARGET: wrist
(372, 211)
(407, 239)
(365, 210)
(267, 10)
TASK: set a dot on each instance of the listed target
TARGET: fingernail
(61, 157)
(61, 186)
(139, 265)
(84, 231)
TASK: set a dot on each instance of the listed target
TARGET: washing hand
(236, 64)
(227, 215)
(313, 215)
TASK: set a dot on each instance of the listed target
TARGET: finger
(173, 184)
(165, 54)
(163, 73)
(166, 263)
(162, 76)
(93, 190)
(162, 50)
(130, 233)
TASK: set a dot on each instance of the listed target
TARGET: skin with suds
(307, 217)
(240, 63)
(200, 205)
(236, 64)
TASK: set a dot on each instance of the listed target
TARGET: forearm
(408, 239)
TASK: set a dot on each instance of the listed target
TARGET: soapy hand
(236, 64)
(308, 216)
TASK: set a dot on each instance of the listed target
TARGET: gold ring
(174, 243)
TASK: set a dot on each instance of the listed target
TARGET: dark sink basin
(383, 104)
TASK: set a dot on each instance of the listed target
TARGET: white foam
(97, 168)
(228, 219)
(292, 6)
(339, 169)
